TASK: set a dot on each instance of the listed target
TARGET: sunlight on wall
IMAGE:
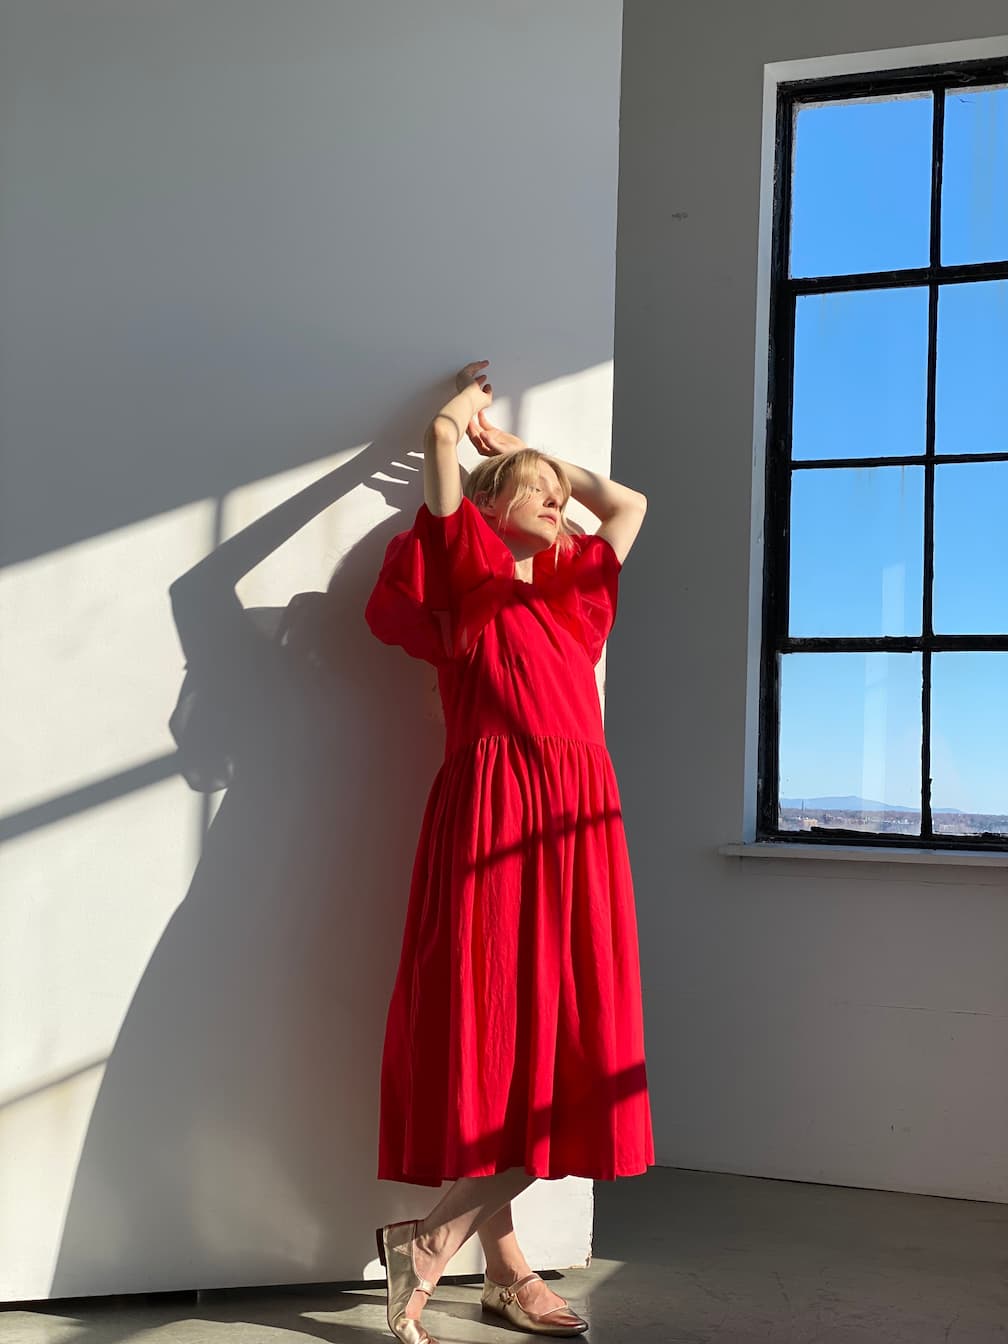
(307, 559)
(545, 1214)
(91, 665)
(83, 904)
(90, 662)
(571, 418)
(46, 1131)
(104, 837)
(97, 858)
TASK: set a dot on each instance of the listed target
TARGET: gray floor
(681, 1257)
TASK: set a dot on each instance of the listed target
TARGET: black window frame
(784, 294)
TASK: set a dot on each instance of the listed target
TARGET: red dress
(514, 1034)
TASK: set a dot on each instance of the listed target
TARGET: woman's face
(536, 519)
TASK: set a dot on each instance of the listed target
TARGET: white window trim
(775, 73)
(785, 849)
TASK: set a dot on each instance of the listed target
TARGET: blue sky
(851, 723)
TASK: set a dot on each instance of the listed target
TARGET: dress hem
(415, 1178)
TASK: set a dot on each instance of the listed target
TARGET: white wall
(243, 244)
(820, 1020)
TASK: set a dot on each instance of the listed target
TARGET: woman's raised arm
(620, 508)
(442, 475)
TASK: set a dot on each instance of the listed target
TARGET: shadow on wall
(247, 243)
(239, 1101)
(238, 1107)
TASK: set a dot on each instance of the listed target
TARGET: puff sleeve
(589, 589)
(439, 584)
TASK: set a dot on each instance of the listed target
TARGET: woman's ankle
(434, 1248)
(504, 1274)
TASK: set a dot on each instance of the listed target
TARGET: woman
(514, 1044)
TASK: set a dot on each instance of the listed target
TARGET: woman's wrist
(459, 411)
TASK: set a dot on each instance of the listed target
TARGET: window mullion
(927, 620)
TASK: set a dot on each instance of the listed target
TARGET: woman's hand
(491, 441)
(473, 380)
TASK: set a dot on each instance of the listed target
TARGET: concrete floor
(681, 1257)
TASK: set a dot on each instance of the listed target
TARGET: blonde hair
(520, 469)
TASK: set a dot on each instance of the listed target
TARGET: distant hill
(848, 803)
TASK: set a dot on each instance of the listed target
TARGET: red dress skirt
(514, 1034)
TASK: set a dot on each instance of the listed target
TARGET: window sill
(776, 849)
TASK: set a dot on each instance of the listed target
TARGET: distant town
(857, 814)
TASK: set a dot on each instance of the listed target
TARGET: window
(884, 677)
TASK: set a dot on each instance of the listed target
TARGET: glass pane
(857, 539)
(971, 391)
(850, 741)
(971, 549)
(861, 186)
(969, 742)
(975, 176)
(860, 380)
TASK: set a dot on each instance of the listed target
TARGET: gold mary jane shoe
(395, 1251)
(503, 1301)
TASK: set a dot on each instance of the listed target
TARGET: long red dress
(514, 1034)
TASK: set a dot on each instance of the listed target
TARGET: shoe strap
(512, 1295)
(522, 1282)
(509, 1291)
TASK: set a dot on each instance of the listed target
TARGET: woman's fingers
(480, 441)
(466, 375)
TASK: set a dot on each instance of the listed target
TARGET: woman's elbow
(441, 435)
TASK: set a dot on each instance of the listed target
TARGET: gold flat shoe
(395, 1251)
(503, 1301)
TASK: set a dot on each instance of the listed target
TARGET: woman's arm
(442, 476)
(620, 508)
(605, 497)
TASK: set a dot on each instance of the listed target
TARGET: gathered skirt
(514, 1034)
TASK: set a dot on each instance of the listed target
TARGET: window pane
(971, 392)
(975, 176)
(860, 379)
(971, 549)
(861, 186)
(969, 742)
(857, 538)
(850, 741)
